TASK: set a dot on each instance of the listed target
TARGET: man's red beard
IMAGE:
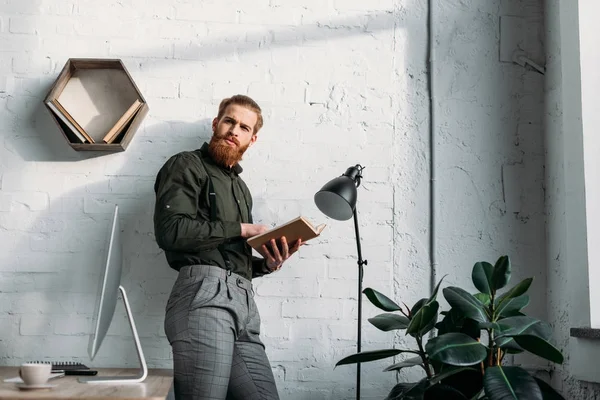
(223, 153)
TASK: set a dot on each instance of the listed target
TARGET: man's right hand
(250, 230)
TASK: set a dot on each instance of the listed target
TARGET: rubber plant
(465, 359)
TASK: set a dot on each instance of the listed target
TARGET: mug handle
(20, 374)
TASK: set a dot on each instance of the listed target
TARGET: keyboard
(63, 365)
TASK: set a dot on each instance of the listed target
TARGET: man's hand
(249, 230)
(275, 255)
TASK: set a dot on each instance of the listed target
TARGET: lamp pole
(337, 200)
(361, 263)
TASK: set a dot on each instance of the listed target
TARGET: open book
(298, 228)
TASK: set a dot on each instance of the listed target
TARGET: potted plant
(465, 359)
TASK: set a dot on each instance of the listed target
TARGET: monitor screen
(110, 280)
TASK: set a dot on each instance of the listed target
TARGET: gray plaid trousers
(213, 326)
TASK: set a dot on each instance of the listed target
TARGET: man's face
(233, 133)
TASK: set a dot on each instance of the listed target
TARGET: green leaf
(512, 348)
(389, 322)
(516, 291)
(520, 325)
(510, 383)
(478, 395)
(501, 274)
(467, 380)
(482, 277)
(415, 309)
(523, 325)
(446, 374)
(489, 325)
(411, 362)
(548, 393)
(528, 334)
(432, 321)
(512, 306)
(445, 392)
(424, 320)
(466, 303)
(539, 347)
(452, 322)
(485, 299)
(456, 349)
(416, 392)
(433, 296)
(408, 391)
(380, 300)
(471, 328)
(374, 355)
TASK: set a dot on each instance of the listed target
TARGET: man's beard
(223, 153)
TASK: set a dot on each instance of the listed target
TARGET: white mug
(35, 374)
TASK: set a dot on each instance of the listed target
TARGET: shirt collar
(237, 168)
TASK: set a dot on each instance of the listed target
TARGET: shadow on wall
(68, 239)
(324, 29)
(74, 226)
(68, 243)
(45, 146)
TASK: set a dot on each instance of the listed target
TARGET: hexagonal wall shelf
(96, 104)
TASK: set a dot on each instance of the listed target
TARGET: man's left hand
(276, 256)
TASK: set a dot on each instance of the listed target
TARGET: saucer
(23, 386)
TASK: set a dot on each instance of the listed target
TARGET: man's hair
(244, 101)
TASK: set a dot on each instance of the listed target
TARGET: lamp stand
(361, 263)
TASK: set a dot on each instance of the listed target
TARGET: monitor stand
(120, 379)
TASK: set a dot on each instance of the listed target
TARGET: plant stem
(498, 357)
(491, 331)
(424, 356)
(481, 363)
(491, 346)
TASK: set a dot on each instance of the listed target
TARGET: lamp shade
(337, 198)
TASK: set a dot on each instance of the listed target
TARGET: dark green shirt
(182, 219)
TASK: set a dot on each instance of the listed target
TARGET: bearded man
(202, 219)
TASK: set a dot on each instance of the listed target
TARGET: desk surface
(155, 387)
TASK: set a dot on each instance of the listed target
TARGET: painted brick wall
(340, 82)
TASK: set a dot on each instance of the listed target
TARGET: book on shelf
(119, 126)
(79, 133)
(298, 228)
(72, 121)
(72, 129)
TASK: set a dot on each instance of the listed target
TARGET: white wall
(571, 193)
(341, 82)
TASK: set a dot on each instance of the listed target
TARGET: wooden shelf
(97, 93)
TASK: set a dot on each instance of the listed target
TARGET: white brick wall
(341, 82)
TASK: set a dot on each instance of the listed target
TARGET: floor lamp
(337, 200)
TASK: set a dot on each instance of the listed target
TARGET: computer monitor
(106, 302)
